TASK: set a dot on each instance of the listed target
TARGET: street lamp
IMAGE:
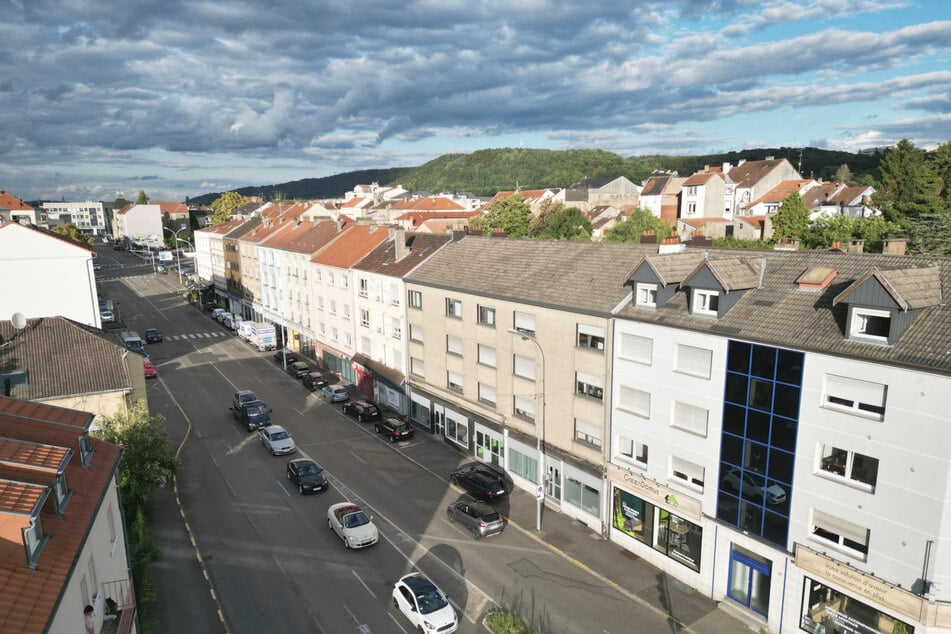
(540, 427)
(175, 235)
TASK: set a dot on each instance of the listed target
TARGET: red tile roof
(305, 236)
(11, 202)
(351, 246)
(419, 217)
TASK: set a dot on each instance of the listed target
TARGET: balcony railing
(120, 616)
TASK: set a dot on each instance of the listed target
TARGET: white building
(90, 217)
(139, 223)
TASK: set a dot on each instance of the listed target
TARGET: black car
(395, 429)
(279, 357)
(298, 369)
(153, 335)
(313, 381)
(363, 411)
(307, 475)
(482, 481)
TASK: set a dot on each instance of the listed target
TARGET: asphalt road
(274, 564)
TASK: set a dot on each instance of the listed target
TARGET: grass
(505, 622)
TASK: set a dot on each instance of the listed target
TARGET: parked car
(253, 414)
(151, 372)
(242, 396)
(352, 525)
(363, 411)
(153, 335)
(335, 393)
(481, 519)
(218, 314)
(209, 305)
(298, 369)
(481, 481)
(307, 475)
(314, 380)
(107, 316)
(395, 429)
(276, 439)
(424, 605)
(96, 266)
(280, 356)
(753, 487)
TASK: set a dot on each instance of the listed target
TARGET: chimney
(726, 168)
(836, 246)
(770, 158)
(398, 235)
(856, 246)
(894, 246)
(740, 162)
(648, 237)
(671, 244)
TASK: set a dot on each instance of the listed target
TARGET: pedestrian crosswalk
(197, 335)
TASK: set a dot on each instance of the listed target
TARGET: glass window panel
(734, 420)
(751, 517)
(757, 427)
(739, 582)
(781, 465)
(754, 458)
(731, 449)
(736, 386)
(759, 592)
(865, 469)
(775, 528)
(789, 367)
(761, 394)
(764, 362)
(783, 434)
(786, 401)
(728, 508)
(738, 358)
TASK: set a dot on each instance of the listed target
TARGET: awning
(394, 377)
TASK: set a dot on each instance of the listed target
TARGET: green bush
(504, 622)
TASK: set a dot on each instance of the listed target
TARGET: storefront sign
(656, 493)
(856, 581)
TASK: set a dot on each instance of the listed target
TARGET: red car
(150, 371)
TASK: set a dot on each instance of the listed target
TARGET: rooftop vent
(816, 278)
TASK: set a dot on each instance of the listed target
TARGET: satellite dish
(19, 321)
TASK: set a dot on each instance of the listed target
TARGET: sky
(179, 98)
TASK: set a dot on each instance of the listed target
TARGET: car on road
(363, 411)
(276, 440)
(352, 525)
(151, 372)
(307, 475)
(478, 517)
(335, 393)
(394, 429)
(481, 481)
(280, 355)
(96, 266)
(218, 314)
(107, 316)
(424, 605)
(153, 335)
(253, 414)
(314, 380)
(753, 486)
(297, 369)
(242, 396)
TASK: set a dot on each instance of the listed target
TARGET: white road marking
(363, 584)
(358, 457)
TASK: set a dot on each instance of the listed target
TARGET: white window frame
(842, 532)
(702, 299)
(454, 381)
(414, 299)
(841, 465)
(628, 450)
(364, 287)
(454, 307)
(487, 355)
(364, 318)
(634, 401)
(524, 322)
(589, 386)
(686, 473)
(690, 418)
(645, 295)
(859, 320)
(858, 397)
(395, 295)
(636, 348)
(454, 345)
(693, 361)
(523, 367)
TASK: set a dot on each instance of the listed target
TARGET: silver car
(481, 519)
(277, 440)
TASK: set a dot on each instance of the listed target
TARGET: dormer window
(34, 540)
(85, 451)
(61, 493)
(646, 295)
(705, 302)
(871, 323)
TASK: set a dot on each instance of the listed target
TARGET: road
(274, 564)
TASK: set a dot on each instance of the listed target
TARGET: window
(364, 318)
(416, 333)
(637, 349)
(365, 346)
(344, 281)
(415, 299)
(523, 465)
(454, 381)
(417, 367)
(487, 316)
(524, 408)
(588, 432)
(334, 334)
(705, 302)
(454, 308)
(847, 537)
(486, 355)
(686, 472)
(363, 287)
(856, 396)
(93, 580)
(645, 295)
(525, 322)
(589, 385)
(635, 401)
(333, 307)
(693, 361)
(395, 328)
(320, 302)
(690, 418)
(590, 337)
(34, 539)
(486, 393)
(750, 576)
(849, 465)
(867, 323)
(691, 208)
(85, 451)
(454, 344)
(631, 450)
(346, 312)
(330, 278)
(395, 294)
(582, 495)
(524, 367)
(316, 273)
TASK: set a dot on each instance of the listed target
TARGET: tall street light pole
(540, 426)
(175, 235)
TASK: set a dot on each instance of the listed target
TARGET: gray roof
(673, 268)
(732, 273)
(63, 358)
(910, 288)
(578, 276)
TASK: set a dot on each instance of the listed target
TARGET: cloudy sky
(184, 97)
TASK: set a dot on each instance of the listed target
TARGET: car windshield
(356, 519)
(247, 397)
(430, 601)
(309, 468)
(280, 435)
(257, 410)
(398, 425)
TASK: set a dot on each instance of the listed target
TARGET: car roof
(346, 508)
(301, 461)
(272, 429)
(418, 583)
(364, 403)
(245, 392)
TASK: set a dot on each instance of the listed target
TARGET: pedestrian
(88, 620)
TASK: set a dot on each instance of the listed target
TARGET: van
(132, 341)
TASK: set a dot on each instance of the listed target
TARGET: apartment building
(779, 437)
(90, 217)
(508, 358)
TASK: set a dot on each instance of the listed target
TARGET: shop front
(380, 383)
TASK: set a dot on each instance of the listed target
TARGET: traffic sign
(540, 493)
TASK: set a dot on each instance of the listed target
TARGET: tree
(71, 232)
(546, 210)
(842, 228)
(929, 235)
(631, 228)
(567, 224)
(142, 199)
(908, 185)
(511, 214)
(148, 462)
(792, 218)
(843, 174)
(224, 205)
(941, 160)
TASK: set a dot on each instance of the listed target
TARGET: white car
(277, 440)
(426, 607)
(754, 487)
(107, 316)
(352, 525)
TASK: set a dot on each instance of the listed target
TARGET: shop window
(637, 349)
(849, 465)
(827, 610)
(583, 496)
(523, 465)
(749, 582)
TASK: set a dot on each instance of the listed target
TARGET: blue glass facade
(758, 444)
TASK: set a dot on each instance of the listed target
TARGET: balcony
(120, 607)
